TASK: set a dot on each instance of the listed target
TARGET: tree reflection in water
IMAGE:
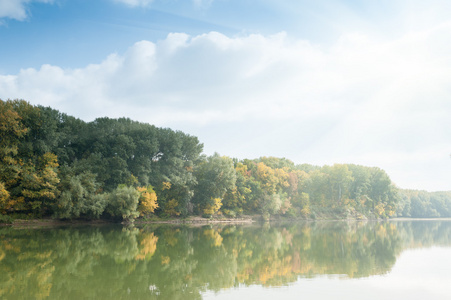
(168, 262)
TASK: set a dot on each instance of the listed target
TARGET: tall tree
(339, 179)
(12, 132)
(174, 164)
(215, 176)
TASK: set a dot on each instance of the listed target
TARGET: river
(319, 260)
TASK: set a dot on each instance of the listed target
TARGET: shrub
(123, 203)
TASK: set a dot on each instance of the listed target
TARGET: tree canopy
(52, 164)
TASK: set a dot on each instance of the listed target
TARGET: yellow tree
(4, 195)
(267, 177)
(39, 183)
(147, 200)
(11, 132)
(213, 206)
(11, 128)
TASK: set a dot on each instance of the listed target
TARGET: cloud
(17, 9)
(361, 100)
(202, 3)
(135, 3)
(147, 3)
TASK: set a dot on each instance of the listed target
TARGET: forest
(55, 165)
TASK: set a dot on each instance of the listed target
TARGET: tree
(383, 193)
(339, 179)
(39, 184)
(267, 177)
(79, 197)
(360, 186)
(215, 176)
(147, 200)
(301, 203)
(4, 195)
(235, 200)
(270, 204)
(11, 128)
(12, 131)
(316, 187)
(174, 163)
(123, 203)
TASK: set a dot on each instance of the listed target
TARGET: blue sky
(319, 82)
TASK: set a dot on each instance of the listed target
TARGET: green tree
(383, 194)
(123, 203)
(174, 164)
(79, 197)
(235, 201)
(360, 186)
(339, 181)
(215, 176)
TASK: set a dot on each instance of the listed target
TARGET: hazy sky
(320, 82)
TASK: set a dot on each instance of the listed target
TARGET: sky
(318, 82)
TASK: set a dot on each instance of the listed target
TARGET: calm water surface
(322, 260)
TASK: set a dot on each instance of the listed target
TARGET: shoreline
(48, 222)
(193, 220)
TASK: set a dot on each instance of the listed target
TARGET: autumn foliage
(55, 165)
(147, 200)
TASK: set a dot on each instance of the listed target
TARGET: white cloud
(17, 9)
(361, 100)
(147, 3)
(136, 3)
(202, 3)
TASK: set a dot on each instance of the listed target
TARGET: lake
(320, 260)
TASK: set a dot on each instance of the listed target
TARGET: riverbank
(199, 220)
(193, 220)
(39, 223)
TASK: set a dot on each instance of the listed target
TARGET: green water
(313, 260)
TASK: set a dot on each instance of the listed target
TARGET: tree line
(423, 204)
(53, 164)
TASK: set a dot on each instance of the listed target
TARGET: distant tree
(235, 201)
(339, 181)
(382, 193)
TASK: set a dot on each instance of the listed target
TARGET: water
(322, 260)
